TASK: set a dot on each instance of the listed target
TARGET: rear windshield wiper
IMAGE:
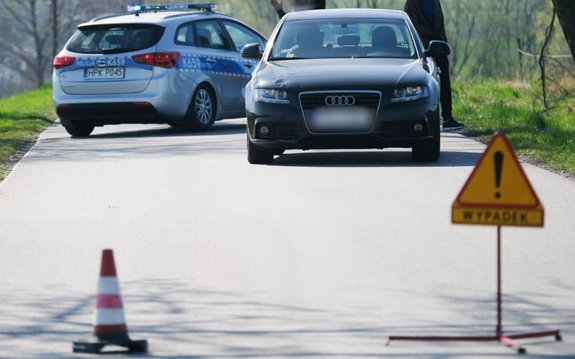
(115, 51)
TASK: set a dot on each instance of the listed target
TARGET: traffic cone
(110, 326)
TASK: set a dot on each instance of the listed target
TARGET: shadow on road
(152, 142)
(181, 321)
(228, 137)
(219, 128)
(373, 159)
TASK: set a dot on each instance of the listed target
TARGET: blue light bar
(136, 9)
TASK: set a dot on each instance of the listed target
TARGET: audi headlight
(409, 93)
(271, 95)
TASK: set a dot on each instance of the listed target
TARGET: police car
(178, 64)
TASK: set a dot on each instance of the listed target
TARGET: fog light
(418, 127)
(264, 131)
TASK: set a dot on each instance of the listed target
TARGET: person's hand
(277, 5)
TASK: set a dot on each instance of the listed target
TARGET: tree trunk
(566, 13)
(39, 40)
(55, 31)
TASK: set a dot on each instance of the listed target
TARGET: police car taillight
(63, 61)
(159, 59)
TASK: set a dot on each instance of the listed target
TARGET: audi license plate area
(341, 119)
(104, 73)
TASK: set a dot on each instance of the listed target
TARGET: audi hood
(328, 74)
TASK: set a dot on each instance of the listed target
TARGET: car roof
(159, 18)
(345, 13)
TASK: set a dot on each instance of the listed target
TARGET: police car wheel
(78, 128)
(202, 112)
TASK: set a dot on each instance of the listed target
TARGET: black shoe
(449, 124)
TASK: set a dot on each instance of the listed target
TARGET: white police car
(178, 64)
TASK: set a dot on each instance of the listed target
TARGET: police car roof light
(136, 9)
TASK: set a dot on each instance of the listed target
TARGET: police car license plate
(104, 73)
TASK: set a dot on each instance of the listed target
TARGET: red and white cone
(109, 321)
(110, 326)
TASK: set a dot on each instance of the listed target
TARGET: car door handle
(249, 65)
(211, 61)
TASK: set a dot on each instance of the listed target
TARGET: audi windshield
(340, 38)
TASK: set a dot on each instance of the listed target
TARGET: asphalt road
(321, 254)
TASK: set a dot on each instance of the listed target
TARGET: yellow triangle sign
(498, 191)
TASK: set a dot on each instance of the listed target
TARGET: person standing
(299, 5)
(427, 17)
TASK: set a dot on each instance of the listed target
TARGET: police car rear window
(114, 38)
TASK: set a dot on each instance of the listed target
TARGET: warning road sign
(498, 191)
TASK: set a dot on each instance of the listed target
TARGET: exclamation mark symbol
(498, 160)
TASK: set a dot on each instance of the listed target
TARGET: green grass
(545, 137)
(22, 118)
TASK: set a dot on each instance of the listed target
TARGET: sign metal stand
(523, 209)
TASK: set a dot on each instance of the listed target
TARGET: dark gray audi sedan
(344, 78)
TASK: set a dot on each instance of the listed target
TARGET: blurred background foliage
(486, 35)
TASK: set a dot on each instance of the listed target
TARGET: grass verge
(22, 118)
(542, 137)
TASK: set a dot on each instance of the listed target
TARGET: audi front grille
(365, 99)
(340, 112)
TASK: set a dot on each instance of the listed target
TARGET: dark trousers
(445, 82)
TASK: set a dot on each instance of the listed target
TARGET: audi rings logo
(340, 100)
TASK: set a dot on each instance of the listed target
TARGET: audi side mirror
(438, 48)
(252, 52)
